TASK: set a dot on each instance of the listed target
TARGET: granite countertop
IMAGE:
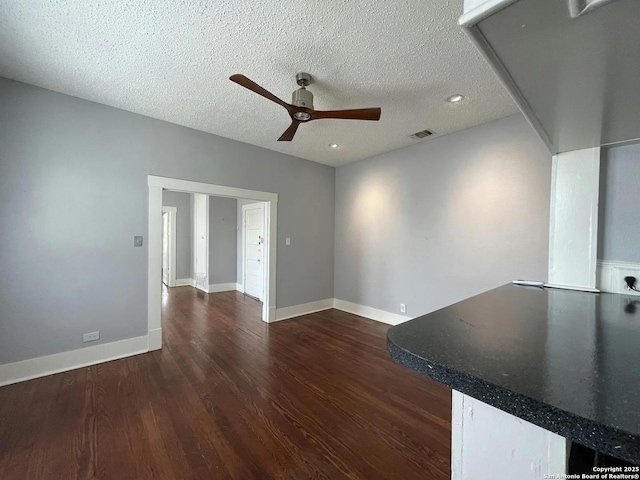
(566, 361)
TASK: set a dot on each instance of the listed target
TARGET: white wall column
(573, 230)
(155, 268)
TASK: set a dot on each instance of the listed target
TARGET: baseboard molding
(62, 362)
(214, 288)
(610, 276)
(303, 309)
(222, 287)
(349, 307)
(155, 339)
(65, 361)
(369, 312)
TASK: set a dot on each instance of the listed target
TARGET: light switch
(137, 241)
(287, 241)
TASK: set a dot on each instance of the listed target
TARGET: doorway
(169, 246)
(269, 245)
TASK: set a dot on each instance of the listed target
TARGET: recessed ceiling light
(455, 98)
(333, 145)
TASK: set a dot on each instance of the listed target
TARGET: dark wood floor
(229, 396)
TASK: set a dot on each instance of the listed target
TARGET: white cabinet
(487, 443)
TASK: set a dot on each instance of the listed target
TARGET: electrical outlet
(621, 286)
(403, 308)
(287, 241)
(137, 241)
(91, 336)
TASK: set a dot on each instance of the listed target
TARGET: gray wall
(73, 193)
(184, 239)
(619, 206)
(222, 240)
(436, 222)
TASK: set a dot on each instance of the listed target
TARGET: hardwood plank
(231, 397)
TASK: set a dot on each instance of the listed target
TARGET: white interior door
(201, 217)
(169, 257)
(253, 248)
(165, 248)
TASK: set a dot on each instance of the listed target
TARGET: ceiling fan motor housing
(302, 98)
(301, 107)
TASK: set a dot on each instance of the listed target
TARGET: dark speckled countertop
(566, 361)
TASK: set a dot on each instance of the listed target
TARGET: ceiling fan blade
(356, 114)
(254, 87)
(287, 136)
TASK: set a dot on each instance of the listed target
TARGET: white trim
(610, 276)
(154, 262)
(620, 143)
(303, 309)
(213, 288)
(172, 211)
(221, 287)
(369, 312)
(70, 360)
(155, 339)
(154, 276)
(483, 11)
(204, 285)
(361, 310)
(188, 186)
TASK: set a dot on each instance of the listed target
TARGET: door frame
(154, 276)
(172, 211)
(195, 244)
(264, 228)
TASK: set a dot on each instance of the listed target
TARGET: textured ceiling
(171, 60)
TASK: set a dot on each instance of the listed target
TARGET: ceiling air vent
(422, 134)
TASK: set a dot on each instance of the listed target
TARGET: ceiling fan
(301, 107)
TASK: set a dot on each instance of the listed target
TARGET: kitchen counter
(566, 361)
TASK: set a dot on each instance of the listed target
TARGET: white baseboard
(155, 339)
(218, 287)
(221, 287)
(369, 312)
(303, 309)
(361, 310)
(83, 357)
(610, 276)
(65, 361)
